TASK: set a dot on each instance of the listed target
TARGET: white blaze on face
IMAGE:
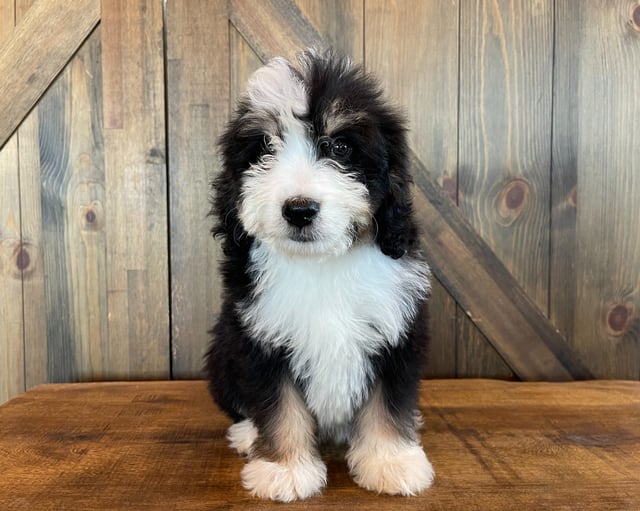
(294, 170)
(276, 88)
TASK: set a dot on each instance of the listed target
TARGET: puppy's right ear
(226, 187)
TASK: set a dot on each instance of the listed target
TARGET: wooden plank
(277, 28)
(392, 32)
(11, 257)
(135, 189)
(38, 49)
(506, 59)
(198, 87)
(340, 22)
(606, 86)
(564, 174)
(161, 445)
(488, 292)
(72, 208)
(33, 281)
(461, 259)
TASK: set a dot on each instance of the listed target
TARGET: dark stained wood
(596, 169)
(407, 71)
(38, 49)
(506, 64)
(198, 90)
(489, 294)
(160, 445)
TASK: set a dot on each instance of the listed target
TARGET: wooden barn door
(109, 115)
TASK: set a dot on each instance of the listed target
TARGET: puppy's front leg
(385, 455)
(284, 462)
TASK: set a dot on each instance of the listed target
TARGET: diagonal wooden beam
(461, 259)
(488, 292)
(40, 46)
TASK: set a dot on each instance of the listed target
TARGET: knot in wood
(512, 200)
(22, 259)
(91, 216)
(619, 318)
(635, 17)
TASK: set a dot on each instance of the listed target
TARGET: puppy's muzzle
(300, 211)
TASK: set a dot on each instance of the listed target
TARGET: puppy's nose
(300, 211)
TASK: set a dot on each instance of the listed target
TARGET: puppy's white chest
(332, 315)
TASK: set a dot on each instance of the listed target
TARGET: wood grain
(161, 445)
(606, 81)
(198, 88)
(472, 273)
(72, 195)
(506, 59)
(11, 258)
(136, 189)
(339, 22)
(278, 28)
(407, 71)
(33, 276)
(564, 170)
(26, 67)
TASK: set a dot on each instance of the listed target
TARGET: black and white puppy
(322, 332)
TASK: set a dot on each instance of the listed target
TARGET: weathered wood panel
(39, 47)
(506, 59)
(86, 237)
(72, 202)
(136, 189)
(11, 260)
(33, 277)
(198, 90)
(605, 82)
(405, 53)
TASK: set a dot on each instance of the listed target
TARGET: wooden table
(160, 445)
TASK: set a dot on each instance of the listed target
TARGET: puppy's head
(315, 161)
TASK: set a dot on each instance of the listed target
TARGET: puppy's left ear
(396, 225)
(397, 231)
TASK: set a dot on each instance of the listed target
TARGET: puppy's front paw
(285, 482)
(400, 469)
(242, 435)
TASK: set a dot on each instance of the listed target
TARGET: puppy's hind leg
(284, 461)
(385, 455)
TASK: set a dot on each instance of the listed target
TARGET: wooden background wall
(526, 112)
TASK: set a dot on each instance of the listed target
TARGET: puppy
(322, 332)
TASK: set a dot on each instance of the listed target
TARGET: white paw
(396, 469)
(284, 482)
(241, 436)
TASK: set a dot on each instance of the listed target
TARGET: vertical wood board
(11, 257)
(136, 189)
(607, 260)
(413, 49)
(506, 58)
(198, 90)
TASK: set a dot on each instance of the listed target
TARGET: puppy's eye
(340, 148)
